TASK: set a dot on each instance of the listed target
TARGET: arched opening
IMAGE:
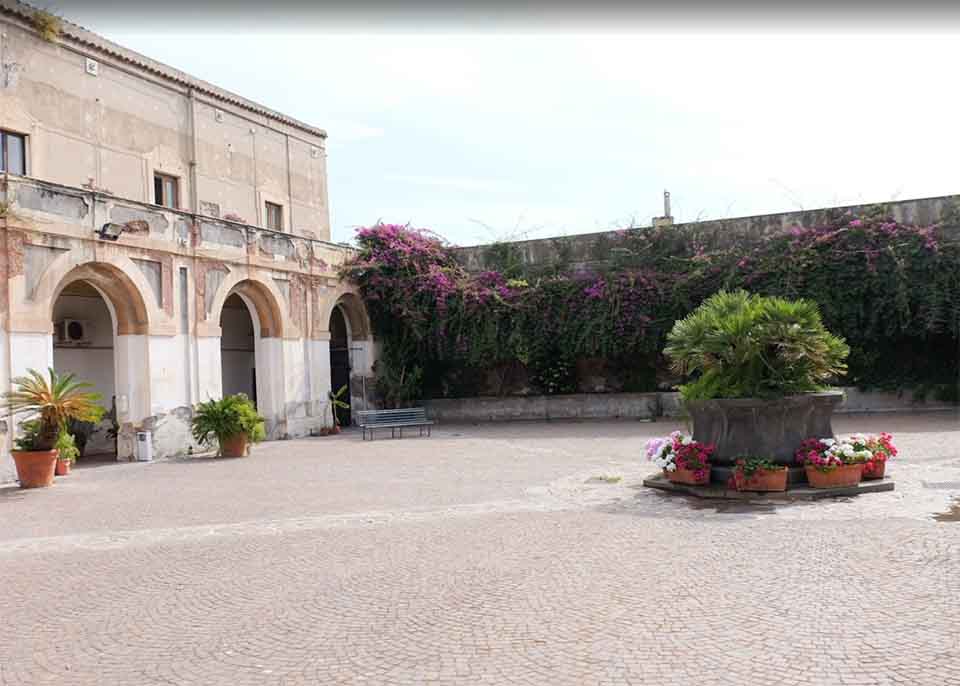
(340, 361)
(84, 344)
(238, 366)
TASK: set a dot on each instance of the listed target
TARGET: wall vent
(92, 67)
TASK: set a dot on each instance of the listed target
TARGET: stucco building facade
(166, 240)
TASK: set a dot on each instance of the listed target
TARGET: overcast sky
(531, 132)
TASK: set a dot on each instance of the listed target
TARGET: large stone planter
(772, 429)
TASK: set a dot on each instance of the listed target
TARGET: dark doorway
(237, 357)
(340, 362)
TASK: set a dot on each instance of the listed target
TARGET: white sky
(481, 137)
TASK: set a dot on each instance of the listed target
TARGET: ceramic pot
(35, 468)
(766, 480)
(63, 467)
(838, 477)
(876, 472)
(234, 446)
(688, 476)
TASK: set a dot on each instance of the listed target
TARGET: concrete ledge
(804, 492)
(641, 406)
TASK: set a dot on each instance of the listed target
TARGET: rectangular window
(274, 216)
(13, 153)
(166, 191)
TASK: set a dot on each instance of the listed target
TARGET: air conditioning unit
(72, 332)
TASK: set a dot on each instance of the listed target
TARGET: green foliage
(748, 466)
(81, 432)
(890, 291)
(52, 403)
(232, 415)
(47, 25)
(29, 433)
(67, 447)
(399, 379)
(742, 345)
(336, 403)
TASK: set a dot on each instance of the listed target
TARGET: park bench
(370, 420)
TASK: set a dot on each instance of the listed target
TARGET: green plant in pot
(48, 403)
(758, 370)
(232, 422)
(337, 403)
(67, 452)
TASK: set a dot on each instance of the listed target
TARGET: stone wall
(645, 406)
(592, 251)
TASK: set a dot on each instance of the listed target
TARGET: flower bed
(832, 462)
(681, 458)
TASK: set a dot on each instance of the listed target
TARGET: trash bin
(144, 446)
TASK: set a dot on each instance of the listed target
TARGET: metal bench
(370, 420)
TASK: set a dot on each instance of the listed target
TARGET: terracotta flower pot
(874, 471)
(688, 476)
(63, 467)
(35, 468)
(838, 477)
(766, 480)
(234, 446)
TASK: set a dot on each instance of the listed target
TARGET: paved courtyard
(496, 554)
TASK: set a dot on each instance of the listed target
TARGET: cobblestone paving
(485, 555)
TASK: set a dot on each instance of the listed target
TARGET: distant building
(164, 239)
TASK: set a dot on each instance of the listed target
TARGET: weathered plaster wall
(165, 282)
(113, 130)
(595, 250)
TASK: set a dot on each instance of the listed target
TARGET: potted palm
(758, 368)
(336, 403)
(232, 422)
(50, 404)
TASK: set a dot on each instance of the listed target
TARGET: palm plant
(742, 345)
(52, 403)
(336, 403)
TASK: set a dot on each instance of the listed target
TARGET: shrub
(742, 345)
(891, 290)
(66, 446)
(47, 25)
(51, 404)
(230, 416)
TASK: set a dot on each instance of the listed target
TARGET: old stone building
(164, 239)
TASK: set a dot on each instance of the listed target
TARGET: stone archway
(351, 349)
(107, 344)
(250, 347)
(340, 361)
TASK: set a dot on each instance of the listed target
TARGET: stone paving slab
(514, 554)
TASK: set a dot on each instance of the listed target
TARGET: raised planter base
(719, 491)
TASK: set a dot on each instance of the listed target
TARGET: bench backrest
(374, 417)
